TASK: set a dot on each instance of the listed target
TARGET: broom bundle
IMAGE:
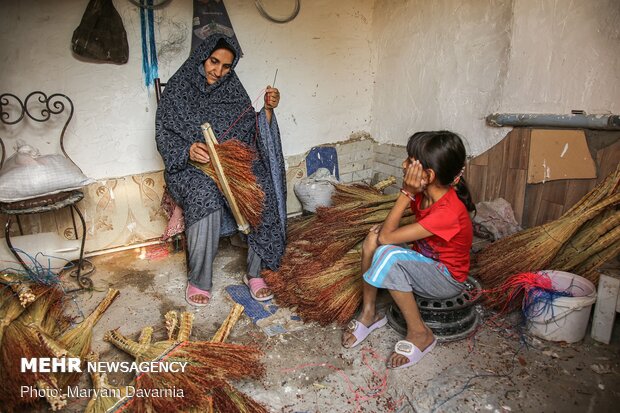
(41, 331)
(105, 396)
(204, 382)
(25, 290)
(236, 160)
(21, 339)
(580, 241)
(315, 276)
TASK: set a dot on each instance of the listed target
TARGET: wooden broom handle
(211, 141)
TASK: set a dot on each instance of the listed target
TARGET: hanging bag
(101, 35)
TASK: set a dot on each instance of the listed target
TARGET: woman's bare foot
(420, 340)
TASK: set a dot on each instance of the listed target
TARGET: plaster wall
(323, 59)
(447, 64)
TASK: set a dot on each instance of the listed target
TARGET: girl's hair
(444, 153)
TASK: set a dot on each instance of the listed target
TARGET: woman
(207, 89)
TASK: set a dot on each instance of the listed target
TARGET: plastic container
(566, 318)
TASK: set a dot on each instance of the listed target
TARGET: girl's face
(218, 65)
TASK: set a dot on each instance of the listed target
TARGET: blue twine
(149, 50)
(39, 274)
(539, 301)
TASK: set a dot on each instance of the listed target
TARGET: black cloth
(188, 102)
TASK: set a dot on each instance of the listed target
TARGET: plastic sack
(315, 190)
(26, 174)
(101, 35)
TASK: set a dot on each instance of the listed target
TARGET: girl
(438, 264)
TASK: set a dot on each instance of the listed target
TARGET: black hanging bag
(101, 35)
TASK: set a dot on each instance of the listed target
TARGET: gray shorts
(403, 269)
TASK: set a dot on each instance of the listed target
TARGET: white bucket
(566, 318)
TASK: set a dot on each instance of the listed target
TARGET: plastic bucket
(565, 318)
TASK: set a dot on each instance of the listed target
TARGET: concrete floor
(308, 370)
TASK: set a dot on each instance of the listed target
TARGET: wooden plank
(207, 131)
(575, 190)
(480, 160)
(476, 178)
(533, 198)
(516, 182)
(548, 212)
(518, 152)
(555, 191)
(606, 306)
(607, 160)
(495, 171)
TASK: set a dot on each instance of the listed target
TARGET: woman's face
(218, 64)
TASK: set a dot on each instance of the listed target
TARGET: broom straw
(236, 160)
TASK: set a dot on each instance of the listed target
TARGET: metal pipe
(574, 120)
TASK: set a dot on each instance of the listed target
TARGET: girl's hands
(415, 179)
(198, 152)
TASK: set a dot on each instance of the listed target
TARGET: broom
(209, 366)
(592, 238)
(78, 339)
(534, 248)
(106, 396)
(21, 339)
(237, 159)
(589, 267)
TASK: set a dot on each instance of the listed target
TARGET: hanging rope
(156, 5)
(149, 50)
(266, 15)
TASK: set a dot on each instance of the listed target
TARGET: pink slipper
(255, 285)
(192, 291)
(360, 331)
(413, 354)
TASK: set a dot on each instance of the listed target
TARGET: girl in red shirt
(438, 263)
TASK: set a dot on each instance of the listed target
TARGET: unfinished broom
(105, 396)
(592, 238)
(21, 339)
(236, 160)
(210, 366)
(78, 339)
(532, 249)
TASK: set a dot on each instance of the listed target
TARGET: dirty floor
(498, 370)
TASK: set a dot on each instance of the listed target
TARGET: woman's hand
(199, 152)
(415, 178)
(272, 97)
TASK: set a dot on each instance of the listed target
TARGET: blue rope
(153, 48)
(149, 50)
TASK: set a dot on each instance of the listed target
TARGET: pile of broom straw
(580, 241)
(320, 274)
(33, 325)
(205, 381)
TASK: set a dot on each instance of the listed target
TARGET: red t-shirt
(449, 221)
